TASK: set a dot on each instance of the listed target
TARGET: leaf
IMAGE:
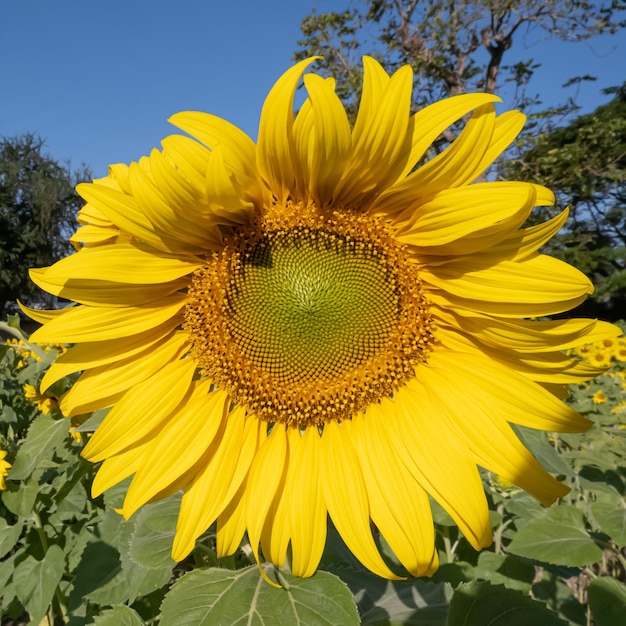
(146, 561)
(217, 596)
(611, 520)
(20, 499)
(479, 604)
(120, 615)
(44, 436)
(99, 577)
(36, 581)
(9, 535)
(397, 602)
(607, 601)
(153, 536)
(558, 537)
(509, 571)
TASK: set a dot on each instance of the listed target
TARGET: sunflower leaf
(480, 603)
(558, 537)
(44, 436)
(218, 596)
(120, 615)
(607, 601)
(35, 581)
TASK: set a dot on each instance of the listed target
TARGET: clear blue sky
(98, 80)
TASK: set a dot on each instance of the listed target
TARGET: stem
(448, 545)
(60, 598)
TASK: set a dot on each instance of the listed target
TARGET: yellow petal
(518, 400)
(276, 150)
(266, 475)
(399, 505)
(492, 441)
(328, 152)
(138, 413)
(381, 141)
(92, 354)
(190, 157)
(306, 509)
(83, 323)
(215, 476)
(345, 494)
(540, 285)
(101, 387)
(439, 461)
(239, 151)
(426, 126)
(118, 467)
(483, 209)
(180, 442)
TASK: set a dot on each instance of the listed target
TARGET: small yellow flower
(45, 403)
(5, 467)
(619, 353)
(599, 358)
(619, 409)
(599, 397)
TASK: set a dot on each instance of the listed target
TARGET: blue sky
(98, 80)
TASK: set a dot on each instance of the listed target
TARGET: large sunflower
(311, 326)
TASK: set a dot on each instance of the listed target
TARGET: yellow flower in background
(312, 327)
(599, 357)
(5, 468)
(619, 352)
(44, 402)
(599, 397)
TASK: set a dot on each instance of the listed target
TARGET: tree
(454, 46)
(584, 162)
(38, 206)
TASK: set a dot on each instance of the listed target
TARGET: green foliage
(38, 206)
(68, 558)
(454, 47)
(584, 162)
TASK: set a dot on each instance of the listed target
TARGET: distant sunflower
(311, 326)
(5, 469)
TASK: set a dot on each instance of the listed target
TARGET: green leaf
(153, 536)
(392, 603)
(44, 436)
(217, 596)
(9, 535)
(20, 499)
(607, 601)
(99, 577)
(36, 581)
(558, 537)
(509, 571)
(147, 561)
(479, 604)
(120, 615)
(611, 520)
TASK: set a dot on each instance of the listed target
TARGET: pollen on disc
(308, 321)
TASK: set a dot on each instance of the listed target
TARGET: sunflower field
(70, 559)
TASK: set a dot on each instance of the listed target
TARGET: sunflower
(313, 327)
(5, 468)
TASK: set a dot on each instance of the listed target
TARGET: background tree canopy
(38, 207)
(458, 47)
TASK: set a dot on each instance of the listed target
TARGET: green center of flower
(309, 306)
(306, 317)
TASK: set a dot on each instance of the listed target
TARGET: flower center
(307, 317)
(308, 306)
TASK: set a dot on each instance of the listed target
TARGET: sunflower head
(314, 326)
